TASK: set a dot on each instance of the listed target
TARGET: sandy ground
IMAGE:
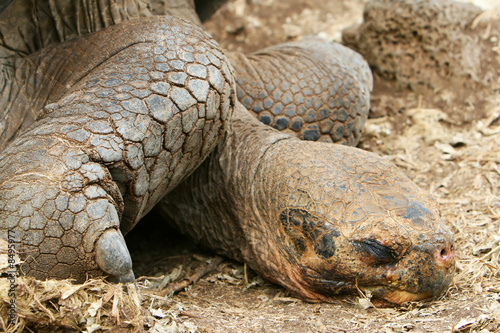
(458, 162)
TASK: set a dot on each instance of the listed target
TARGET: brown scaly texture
(315, 90)
(147, 101)
(144, 113)
(34, 74)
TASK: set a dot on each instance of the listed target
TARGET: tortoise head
(380, 258)
(352, 221)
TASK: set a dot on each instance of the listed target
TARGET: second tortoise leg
(313, 89)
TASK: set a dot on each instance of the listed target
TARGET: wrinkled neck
(246, 144)
(218, 206)
(256, 160)
(240, 158)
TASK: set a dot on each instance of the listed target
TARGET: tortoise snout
(444, 255)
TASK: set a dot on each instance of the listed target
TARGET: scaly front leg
(102, 156)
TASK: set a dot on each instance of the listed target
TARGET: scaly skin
(123, 136)
(317, 218)
(314, 90)
(36, 71)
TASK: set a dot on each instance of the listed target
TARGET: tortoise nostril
(445, 256)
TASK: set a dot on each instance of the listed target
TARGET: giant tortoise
(110, 108)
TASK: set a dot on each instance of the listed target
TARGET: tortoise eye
(379, 253)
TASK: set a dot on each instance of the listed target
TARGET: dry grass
(89, 307)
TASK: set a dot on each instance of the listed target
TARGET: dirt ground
(457, 161)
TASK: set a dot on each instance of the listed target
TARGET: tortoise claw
(113, 257)
(127, 278)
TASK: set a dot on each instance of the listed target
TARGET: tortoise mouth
(383, 295)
